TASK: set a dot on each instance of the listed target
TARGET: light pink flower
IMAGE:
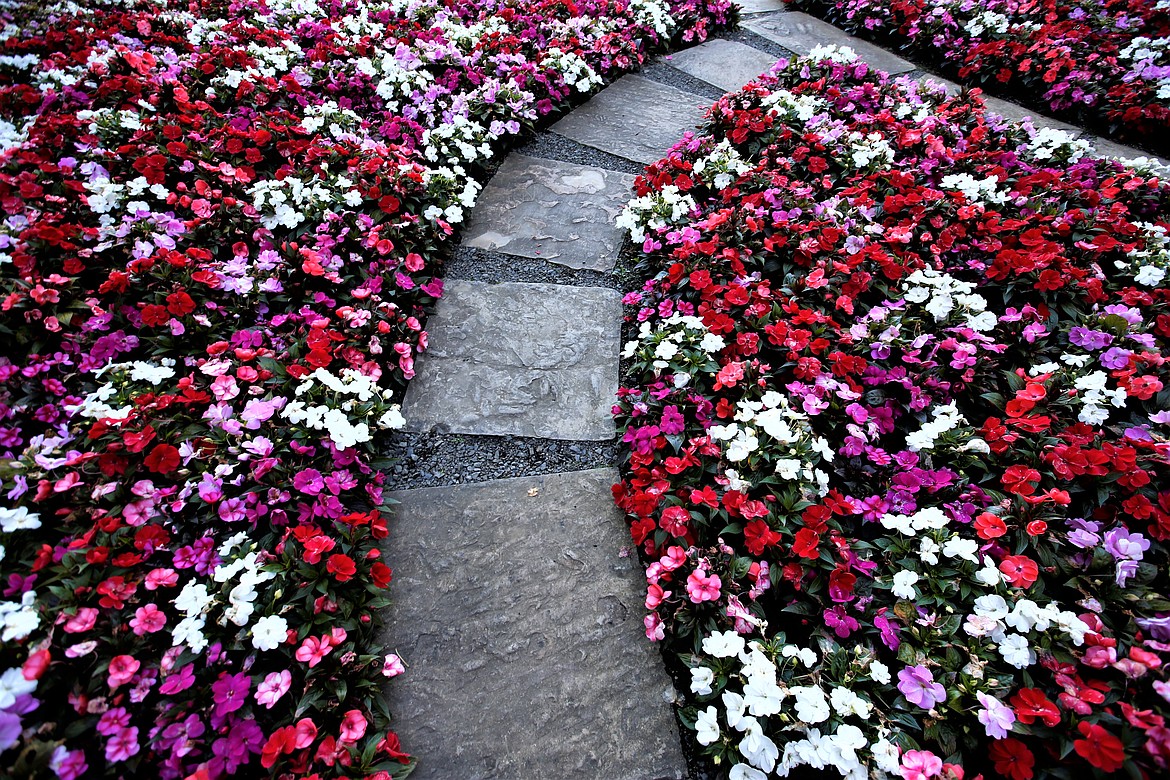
(147, 619)
(274, 686)
(703, 587)
(353, 726)
(122, 668)
(393, 666)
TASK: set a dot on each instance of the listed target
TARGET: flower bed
(1105, 65)
(222, 227)
(897, 417)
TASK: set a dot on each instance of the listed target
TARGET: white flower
(811, 705)
(193, 599)
(989, 575)
(735, 706)
(847, 703)
(269, 632)
(707, 726)
(903, 586)
(18, 619)
(701, 679)
(760, 751)
(189, 631)
(12, 685)
(886, 755)
(1016, 651)
(18, 519)
(712, 343)
(957, 547)
(993, 606)
(928, 551)
(762, 697)
(879, 672)
(745, 772)
(724, 644)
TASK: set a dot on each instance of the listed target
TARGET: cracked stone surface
(555, 211)
(801, 33)
(520, 359)
(726, 64)
(634, 118)
(522, 634)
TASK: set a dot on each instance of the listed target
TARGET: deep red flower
(1099, 747)
(758, 536)
(163, 459)
(1031, 705)
(1012, 759)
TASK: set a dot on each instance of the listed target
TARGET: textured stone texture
(521, 630)
(801, 33)
(522, 359)
(556, 211)
(1112, 149)
(726, 64)
(1016, 112)
(760, 6)
(634, 118)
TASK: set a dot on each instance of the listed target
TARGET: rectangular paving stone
(1118, 151)
(802, 33)
(634, 118)
(520, 359)
(760, 6)
(556, 211)
(1016, 113)
(521, 630)
(726, 64)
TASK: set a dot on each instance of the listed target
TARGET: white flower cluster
(869, 150)
(794, 447)
(1048, 143)
(943, 418)
(356, 388)
(94, 405)
(340, 122)
(1148, 264)
(721, 166)
(573, 68)
(787, 105)
(988, 20)
(985, 191)
(843, 55)
(673, 335)
(1094, 394)
(653, 211)
(942, 294)
(290, 201)
(13, 137)
(270, 630)
(271, 62)
(654, 14)
(992, 616)
(18, 619)
(740, 713)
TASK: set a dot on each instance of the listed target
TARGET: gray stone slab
(557, 211)
(521, 628)
(1118, 151)
(1016, 113)
(726, 64)
(634, 118)
(802, 33)
(520, 359)
(760, 6)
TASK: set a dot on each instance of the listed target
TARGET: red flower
(1019, 479)
(805, 544)
(1099, 747)
(1031, 705)
(758, 536)
(154, 315)
(163, 459)
(1020, 570)
(989, 526)
(1012, 759)
(381, 575)
(674, 520)
(341, 566)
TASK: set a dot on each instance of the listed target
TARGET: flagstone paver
(634, 118)
(520, 359)
(726, 64)
(802, 33)
(522, 632)
(760, 6)
(556, 211)
(1115, 150)
(1017, 112)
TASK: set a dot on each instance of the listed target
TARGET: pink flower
(122, 668)
(703, 587)
(312, 650)
(122, 745)
(919, 765)
(161, 578)
(147, 619)
(83, 621)
(655, 630)
(274, 686)
(393, 666)
(353, 726)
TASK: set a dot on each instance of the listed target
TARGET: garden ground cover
(223, 227)
(1104, 64)
(896, 425)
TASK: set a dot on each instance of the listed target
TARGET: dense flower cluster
(222, 223)
(1101, 63)
(897, 420)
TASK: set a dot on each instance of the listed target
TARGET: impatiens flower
(703, 587)
(707, 726)
(701, 679)
(903, 585)
(269, 632)
(122, 745)
(353, 726)
(313, 650)
(230, 692)
(1020, 570)
(392, 666)
(122, 668)
(274, 686)
(147, 619)
(920, 765)
(725, 644)
(1100, 748)
(918, 686)
(997, 718)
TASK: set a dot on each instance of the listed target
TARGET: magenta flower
(353, 726)
(122, 745)
(230, 692)
(180, 681)
(918, 686)
(703, 587)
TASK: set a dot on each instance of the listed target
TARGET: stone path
(515, 611)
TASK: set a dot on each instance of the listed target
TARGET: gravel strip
(439, 459)
(749, 38)
(551, 146)
(662, 72)
(483, 265)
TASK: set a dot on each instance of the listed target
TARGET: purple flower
(1084, 533)
(842, 623)
(1124, 545)
(1115, 357)
(230, 692)
(308, 481)
(672, 421)
(9, 730)
(1091, 340)
(918, 686)
(997, 718)
(1159, 627)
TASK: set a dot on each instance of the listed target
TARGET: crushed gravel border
(551, 146)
